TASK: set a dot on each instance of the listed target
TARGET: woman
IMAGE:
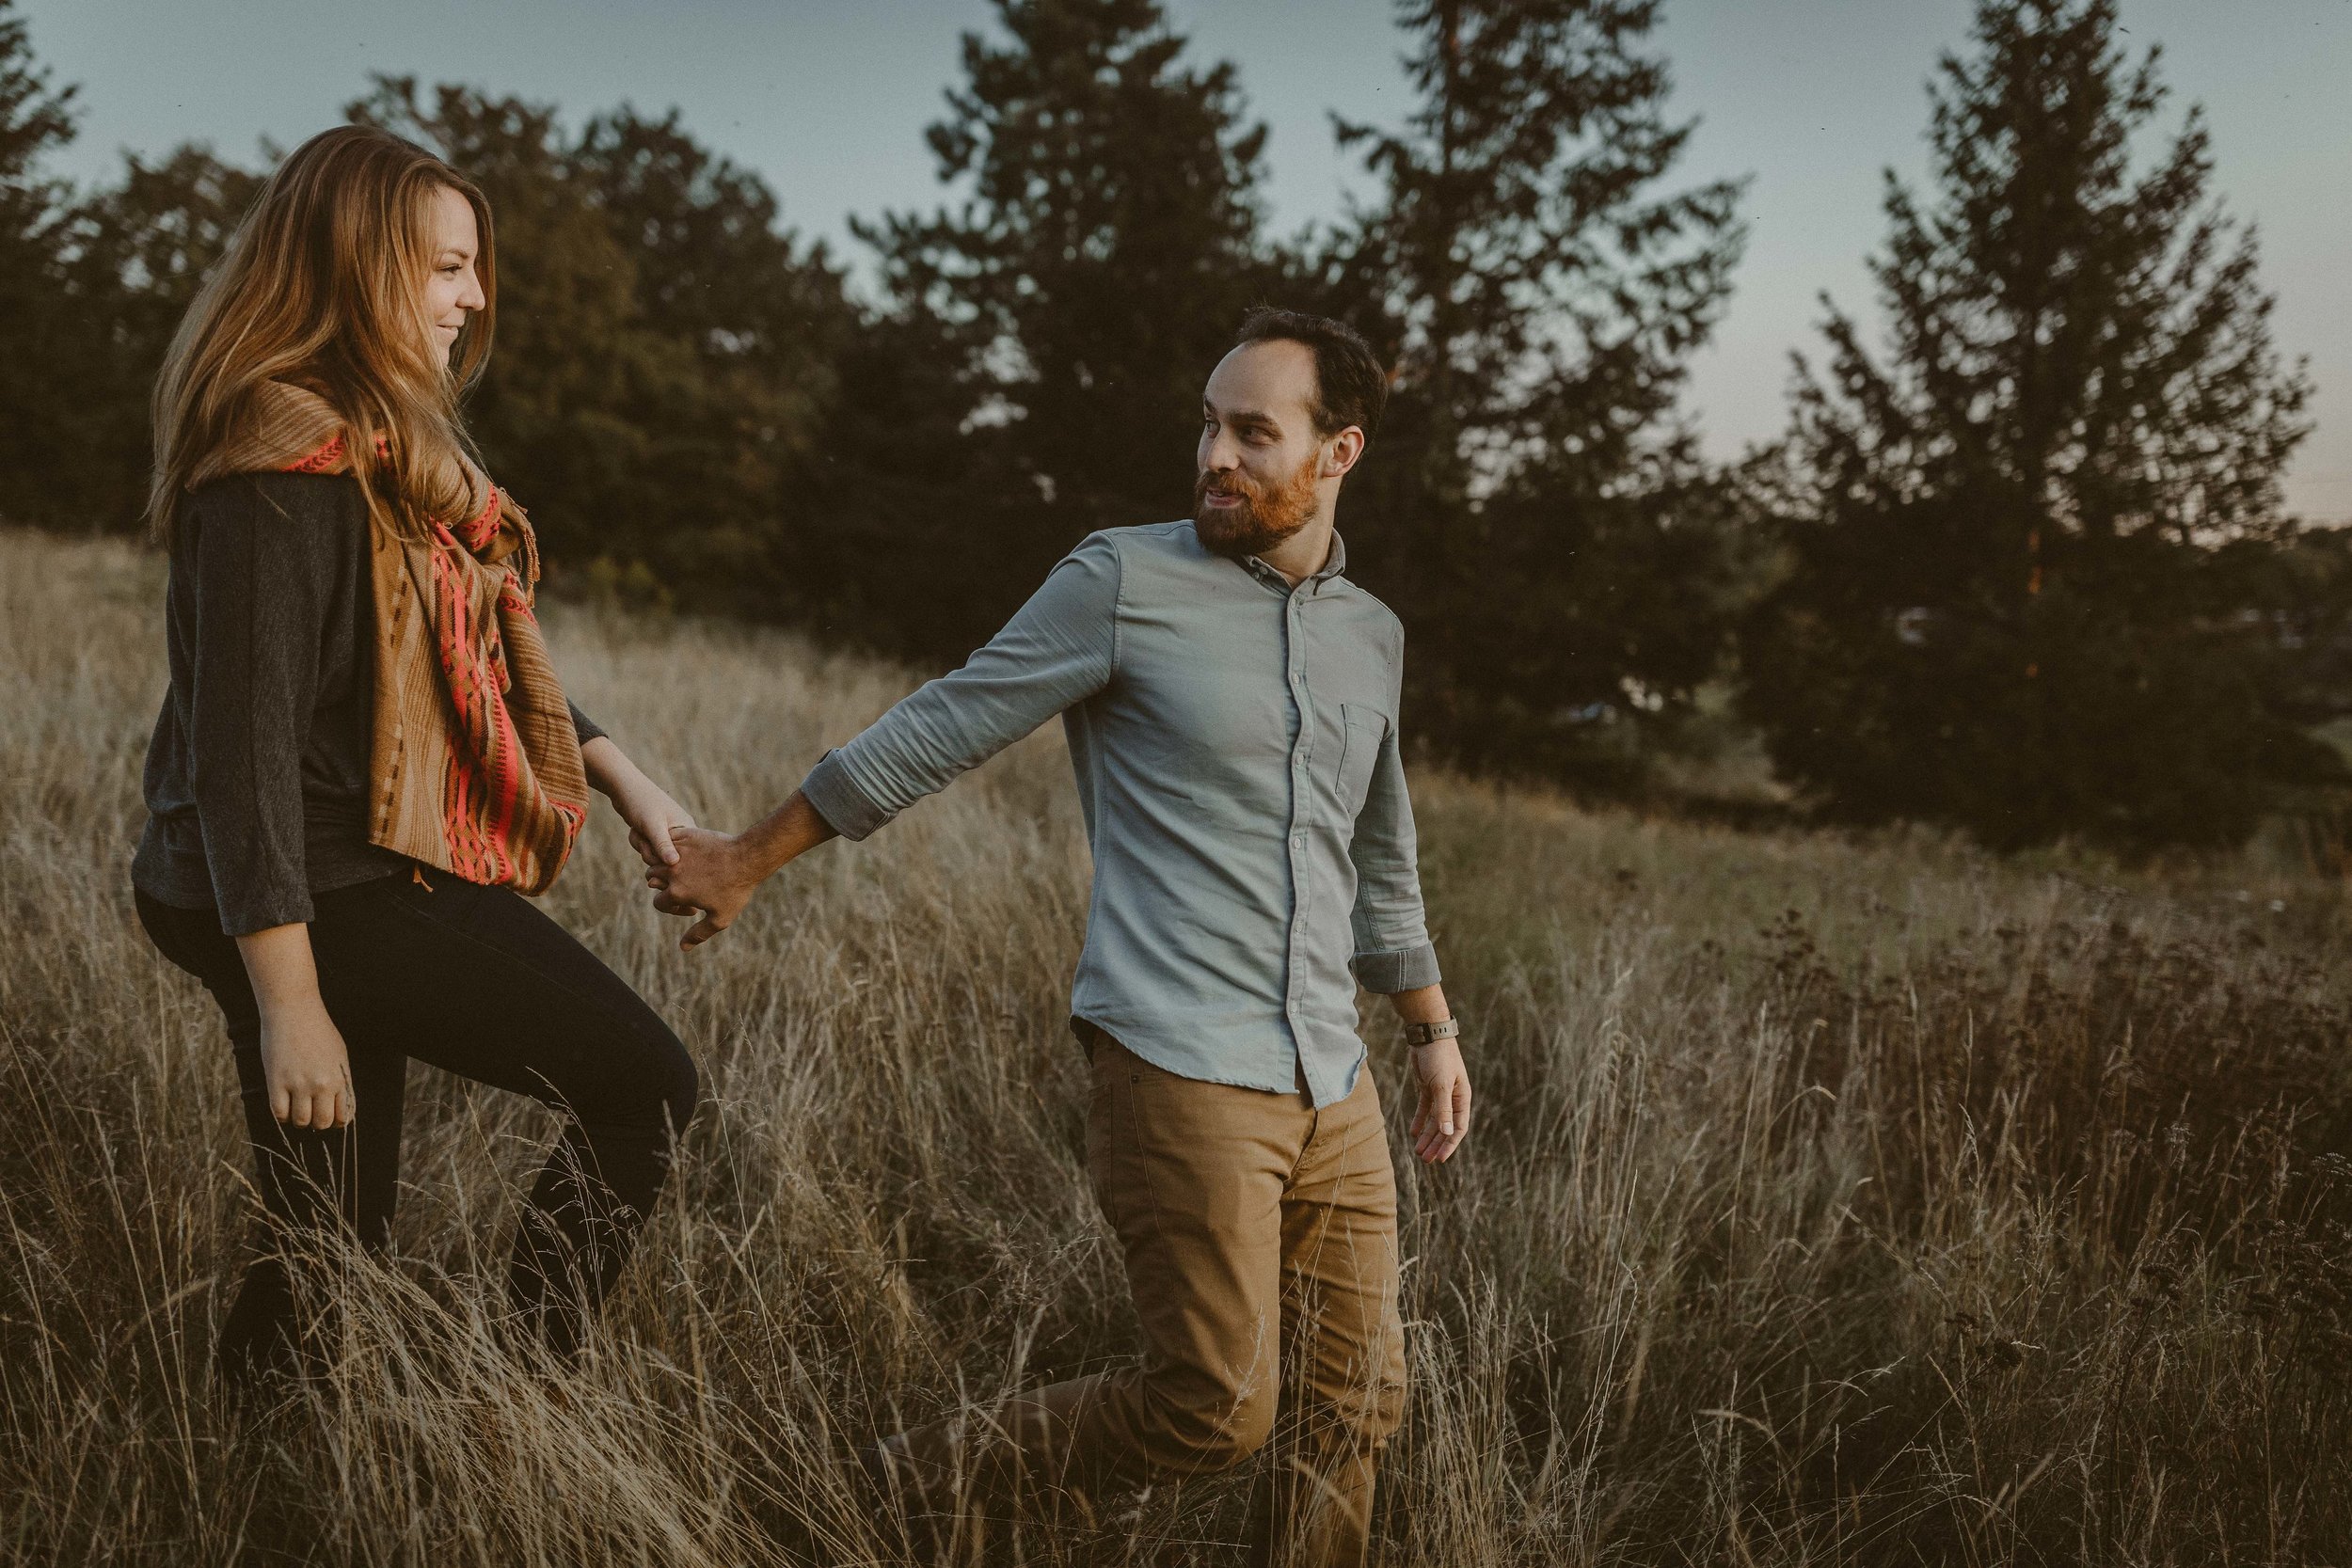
(365, 759)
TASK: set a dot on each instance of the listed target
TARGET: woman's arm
(257, 570)
(303, 1057)
(645, 806)
(264, 559)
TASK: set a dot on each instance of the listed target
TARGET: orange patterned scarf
(475, 764)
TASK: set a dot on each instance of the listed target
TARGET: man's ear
(1343, 452)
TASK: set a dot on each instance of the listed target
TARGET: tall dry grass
(1831, 1201)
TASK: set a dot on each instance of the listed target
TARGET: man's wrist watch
(1428, 1034)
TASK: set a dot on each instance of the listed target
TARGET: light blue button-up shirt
(1235, 745)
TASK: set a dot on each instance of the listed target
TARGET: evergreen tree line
(2023, 566)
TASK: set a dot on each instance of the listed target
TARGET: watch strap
(1426, 1034)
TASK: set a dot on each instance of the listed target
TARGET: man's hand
(709, 875)
(714, 876)
(1442, 1121)
(1441, 1117)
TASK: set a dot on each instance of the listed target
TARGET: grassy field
(1832, 1200)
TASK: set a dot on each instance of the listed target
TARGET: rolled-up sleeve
(1059, 649)
(584, 727)
(1393, 951)
(261, 597)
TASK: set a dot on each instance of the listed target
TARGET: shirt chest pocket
(1361, 731)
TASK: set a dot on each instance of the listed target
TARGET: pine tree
(1096, 270)
(2029, 544)
(138, 251)
(763, 317)
(37, 338)
(663, 346)
(1542, 522)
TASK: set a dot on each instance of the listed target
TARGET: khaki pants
(1260, 1236)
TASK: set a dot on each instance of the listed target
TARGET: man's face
(1261, 461)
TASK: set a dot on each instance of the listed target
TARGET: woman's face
(451, 290)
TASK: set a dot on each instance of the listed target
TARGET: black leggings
(478, 982)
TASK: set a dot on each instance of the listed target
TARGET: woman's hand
(306, 1066)
(645, 805)
(303, 1058)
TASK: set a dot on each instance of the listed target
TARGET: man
(1231, 700)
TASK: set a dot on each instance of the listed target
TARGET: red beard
(1264, 519)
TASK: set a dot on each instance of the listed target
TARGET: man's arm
(1058, 650)
(1394, 955)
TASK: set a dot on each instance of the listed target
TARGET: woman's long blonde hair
(324, 286)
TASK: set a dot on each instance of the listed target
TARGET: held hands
(709, 875)
(1441, 1119)
(663, 834)
(714, 875)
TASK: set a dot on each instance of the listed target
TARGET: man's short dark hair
(1351, 386)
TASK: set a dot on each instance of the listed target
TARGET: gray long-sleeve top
(257, 781)
(1235, 745)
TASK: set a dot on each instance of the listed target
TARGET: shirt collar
(1334, 566)
(1337, 565)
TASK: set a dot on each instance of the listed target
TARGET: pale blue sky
(1812, 98)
